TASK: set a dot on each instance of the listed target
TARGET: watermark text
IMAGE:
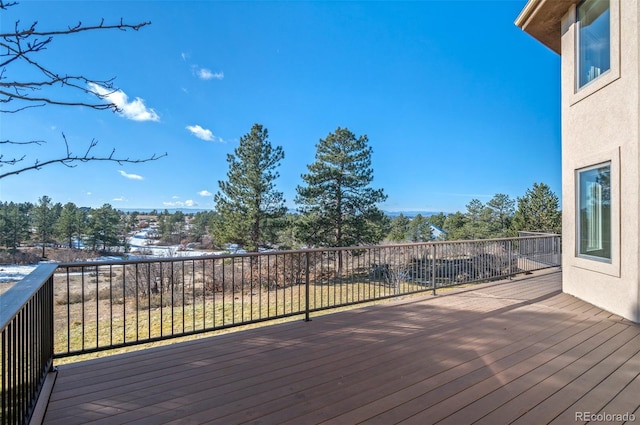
(605, 417)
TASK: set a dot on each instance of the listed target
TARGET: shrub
(18, 257)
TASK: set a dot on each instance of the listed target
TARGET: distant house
(438, 233)
(599, 44)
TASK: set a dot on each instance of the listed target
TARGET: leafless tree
(19, 48)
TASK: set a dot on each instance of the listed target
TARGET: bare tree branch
(20, 109)
(78, 28)
(20, 92)
(70, 160)
(12, 161)
(4, 5)
(22, 44)
(30, 142)
(15, 160)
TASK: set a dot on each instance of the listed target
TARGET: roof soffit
(542, 19)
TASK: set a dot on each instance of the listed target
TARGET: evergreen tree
(44, 218)
(127, 225)
(250, 207)
(287, 233)
(538, 211)
(437, 220)
(103, 227)
(67, 225)
(82, 220)
(176, 225)
(14, 224)
(478, 223)
(399, 228)
(133, 220)
(419, 229)
(4, 223)
(337, 204)
(455, 226)
(201, 224)
(164, 225)
(475, 222)
(501, 208)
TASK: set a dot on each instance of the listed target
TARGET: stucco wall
(600, 123)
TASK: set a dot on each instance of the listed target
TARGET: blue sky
(458, 103)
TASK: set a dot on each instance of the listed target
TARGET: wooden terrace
(512, 351)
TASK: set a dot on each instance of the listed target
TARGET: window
(594, 212)
(594, 40)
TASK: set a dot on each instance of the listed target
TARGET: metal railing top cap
(20, 293)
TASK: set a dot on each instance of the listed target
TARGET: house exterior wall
(600, 123)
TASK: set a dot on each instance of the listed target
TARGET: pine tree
(437, 220)
(44, 219)
(456, 226)
(82, 220)
(67, 224)
(419, 229)
(250, 207)
(476, 226)
(201, 225)
(103, 227)
(14, 224)
(502, 208)
(337, 204)
(538, 211)
(399, 228)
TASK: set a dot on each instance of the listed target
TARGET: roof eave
(542, 19)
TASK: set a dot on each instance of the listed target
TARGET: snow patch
(14, 273)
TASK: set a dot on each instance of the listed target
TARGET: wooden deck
(516, 351)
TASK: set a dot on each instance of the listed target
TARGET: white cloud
(205, 193)
(184, 56)
(206, 74)
(135, 110)
(190, 203)
(130, 176)
(119, 199)
(89, 193)
(201, 133)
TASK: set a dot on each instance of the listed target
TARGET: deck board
(518, 351)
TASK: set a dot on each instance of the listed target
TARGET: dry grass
(99, 307)
(99, 322)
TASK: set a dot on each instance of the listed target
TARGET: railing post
(433, 268)
(510, 249)
(306, 287)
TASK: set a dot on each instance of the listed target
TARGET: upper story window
(594, 40)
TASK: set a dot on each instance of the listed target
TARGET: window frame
(598, 226)
(578, 58)
(571, 27)
(570, 217)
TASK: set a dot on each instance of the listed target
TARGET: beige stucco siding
(600, 123)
